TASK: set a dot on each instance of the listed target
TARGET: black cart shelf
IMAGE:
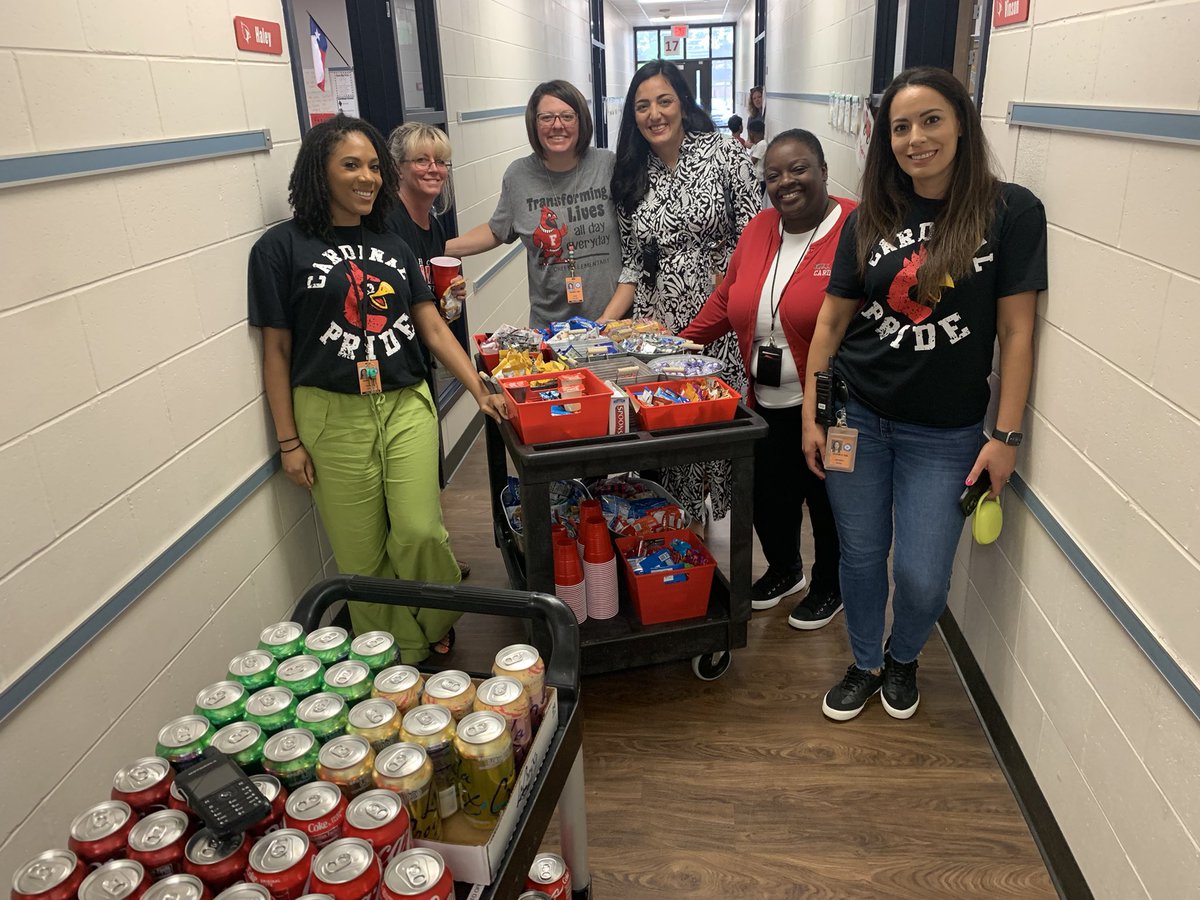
(560, 781)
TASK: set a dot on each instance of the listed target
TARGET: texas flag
(320, 44)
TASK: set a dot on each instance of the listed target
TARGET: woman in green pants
(343, 311)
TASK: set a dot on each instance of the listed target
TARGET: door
(698, 74)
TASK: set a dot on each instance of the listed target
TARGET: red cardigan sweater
(734, 305)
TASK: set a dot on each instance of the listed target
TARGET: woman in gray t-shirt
(556, 200)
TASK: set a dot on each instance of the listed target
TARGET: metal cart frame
(560, 781)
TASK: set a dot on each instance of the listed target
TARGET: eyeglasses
(424, 162)
(547, 119)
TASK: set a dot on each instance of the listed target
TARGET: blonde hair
(408, 138)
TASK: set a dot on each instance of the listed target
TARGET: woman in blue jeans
(939, 260)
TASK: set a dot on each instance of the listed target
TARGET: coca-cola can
(318, 809)
(100, 832)
(534, 895)
(380, 819)
(119, 879)
(417, 874)
(280, 862)
(53, 875)
(218, 862)
(178, 802)
(244, 890)
(157, 842)
(269, 787)
(549, 874)
(347, 869)
(178, 887)
(316, 897)
(144, 784)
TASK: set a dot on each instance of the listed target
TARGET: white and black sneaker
(846, 699)
(774, 586)
(816, 610)
(899, 694)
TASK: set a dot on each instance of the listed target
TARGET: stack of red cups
(568, 575)
(599, 566)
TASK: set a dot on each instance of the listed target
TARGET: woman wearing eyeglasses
(556, 200)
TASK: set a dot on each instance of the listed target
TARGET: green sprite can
(221, 703)
(291, 756)
(182, 741)
(302, 675)
(242, 742)
(350, 678)
(330, 644)
(281, 640)
(253, 670)
(376, 648)
(324, 714)
(271, 709)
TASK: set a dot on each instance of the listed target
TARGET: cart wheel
(711, 666)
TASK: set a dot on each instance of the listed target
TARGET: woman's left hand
(1000, 460)
(495, 406)
(458, 287)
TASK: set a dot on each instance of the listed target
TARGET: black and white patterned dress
(694, 215)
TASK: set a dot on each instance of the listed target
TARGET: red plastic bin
(491, 360)
(532, 419)
(682, 415)
(668, 596)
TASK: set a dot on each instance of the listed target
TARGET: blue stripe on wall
(1175, 126)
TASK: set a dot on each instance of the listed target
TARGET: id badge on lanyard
(574, 283)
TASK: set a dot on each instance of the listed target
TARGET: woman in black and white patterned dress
(683, 195)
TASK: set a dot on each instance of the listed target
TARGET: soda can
(405, 769)
(347, 869)
(325, 715)
(53, 875)
(433, 728)
(100, 832)
(144, 784)
(281, 862)
(271, 709)
(376, 719)
(181, 741)
(350, 678)
(178, 887)
(329, 644)
(218, 862)
(319, 810)
(244, 890)
(178, 802)
(119, 879)
(221, 703)
(253, 670)
(380, 819)
(417, 874)
(549, 873)
(243, 742)
(269, 787)
(291, 756)
(452, 689)
(400, 684)
(505, 695)
(534, 895)
(348, 762)
(282, 640)
(157, 842)
(316, 897)
(302, 675)
(376, 648)
(524, 663)
(485, 767)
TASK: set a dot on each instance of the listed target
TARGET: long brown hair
(963, 222)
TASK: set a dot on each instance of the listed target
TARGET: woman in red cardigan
(770, 298)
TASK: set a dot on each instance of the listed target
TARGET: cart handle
(562, 669)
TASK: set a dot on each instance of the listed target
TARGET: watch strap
(1012, 438)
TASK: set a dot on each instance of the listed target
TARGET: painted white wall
(621, 65)
(743, 61)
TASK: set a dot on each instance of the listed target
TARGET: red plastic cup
(567, 568)
(597, 545)
(443, 271)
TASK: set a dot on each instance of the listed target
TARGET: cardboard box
(618, 411)
(473, 854)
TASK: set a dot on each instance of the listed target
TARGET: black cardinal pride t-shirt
(930, 366)
(319, 291)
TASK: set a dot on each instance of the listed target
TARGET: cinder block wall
(621, 63)
(133, 401)
(1112, 429)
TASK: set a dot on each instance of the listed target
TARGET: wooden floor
(740, 788)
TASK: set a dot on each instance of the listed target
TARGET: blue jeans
(912, 475)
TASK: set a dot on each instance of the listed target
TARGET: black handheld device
(826, 414)
(220, 793)
(971, 496)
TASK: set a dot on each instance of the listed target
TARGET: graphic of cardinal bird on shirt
(375, 291)
(548, 237)
(902, 295)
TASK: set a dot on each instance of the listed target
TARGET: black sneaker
(816, 610)
(846, 699)
(900, 695)
(774, 586)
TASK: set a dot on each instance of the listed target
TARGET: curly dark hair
(807, 138)
(308, 186)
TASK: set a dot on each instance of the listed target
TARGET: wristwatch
(1012, 438)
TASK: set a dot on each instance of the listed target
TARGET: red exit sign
(1009, 12)
(679, 31)
(258, 36)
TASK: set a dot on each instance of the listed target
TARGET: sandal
(444, 646)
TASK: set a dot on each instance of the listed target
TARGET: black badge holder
(219, 792)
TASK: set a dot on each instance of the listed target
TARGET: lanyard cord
(777, 301)
(362, 297)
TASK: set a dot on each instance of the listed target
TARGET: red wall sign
(1009, 12)
(679, 31)
(258, 36)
